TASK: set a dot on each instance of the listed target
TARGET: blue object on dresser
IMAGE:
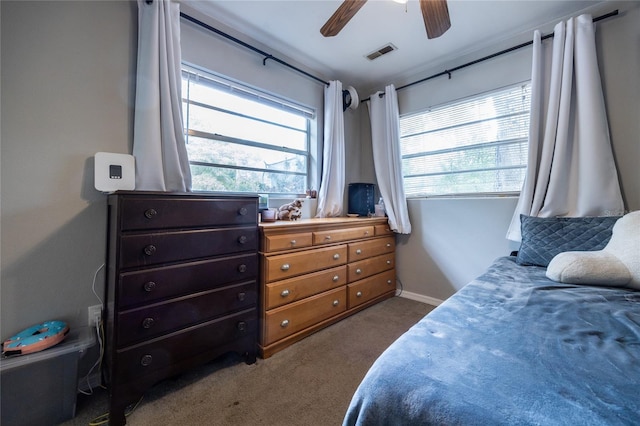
(512, 347)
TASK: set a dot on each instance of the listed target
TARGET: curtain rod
(248, 46)
(502, 52)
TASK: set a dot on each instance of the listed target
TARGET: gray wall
(454, 240)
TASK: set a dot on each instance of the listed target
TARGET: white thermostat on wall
(114, 172)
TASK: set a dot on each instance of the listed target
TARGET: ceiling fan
(435, 14)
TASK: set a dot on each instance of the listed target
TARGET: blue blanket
(512, 348)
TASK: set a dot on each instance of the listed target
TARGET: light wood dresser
(181, 288)
(315, 272)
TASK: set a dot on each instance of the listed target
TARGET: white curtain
(158, 143)
(385, 140)
(571, 170)
(331, 192)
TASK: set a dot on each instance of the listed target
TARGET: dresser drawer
(369, 248)
(338, 235)
(162, 247)
(165, 282)
(286, 291)
(368, 267)
(287, 242)
(283, 266)
(139, 213)
(153, 320)
(383, 230)
(163, 352)
(286, 320)
(369, 288)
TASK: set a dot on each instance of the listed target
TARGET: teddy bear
(290, 211)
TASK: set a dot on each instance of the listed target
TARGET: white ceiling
(293, 29)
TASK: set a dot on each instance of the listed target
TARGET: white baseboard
(421, 298)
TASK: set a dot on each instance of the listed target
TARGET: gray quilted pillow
(545, 237)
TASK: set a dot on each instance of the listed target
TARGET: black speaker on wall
(361, 198)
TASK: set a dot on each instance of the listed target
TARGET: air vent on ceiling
(382, 51)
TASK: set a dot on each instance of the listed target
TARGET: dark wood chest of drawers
(181, 287)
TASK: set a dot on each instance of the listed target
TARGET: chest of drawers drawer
(368, 267)
(369, 288)
(283, 266)
(164, 282)
(339, 235)
(286, 320)
(161, 247)
(288, 241)
(137, 361)
(369, 248)
(153, 320)
(286, 291)
(139, 213)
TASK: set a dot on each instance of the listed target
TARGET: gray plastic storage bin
(41, 388)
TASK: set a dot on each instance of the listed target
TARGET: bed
(512, 347)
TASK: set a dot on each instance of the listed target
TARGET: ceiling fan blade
(341, 16)
(435, 14)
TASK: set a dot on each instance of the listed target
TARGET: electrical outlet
(95, 315)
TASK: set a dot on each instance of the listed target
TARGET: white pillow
(588, 267)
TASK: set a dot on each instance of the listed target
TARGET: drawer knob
(150, 250)
(359, 251)
(284, 324)
(242, 239)
(242, 326)
(146, 360)
(328, 238)
(293, 242)
(241, 296)
(359, 294)
(242, 268)
(284, 293)
(389, 282)
(336, 256)
(149, 286)
(388, 262)
(388, 244)
(366, 232)
(358, 271)
(148, 322)
(336, 302)
(285, 267)
(150, 213)
(243, 211)
(335, 278)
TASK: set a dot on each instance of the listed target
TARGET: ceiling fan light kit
(435, 14)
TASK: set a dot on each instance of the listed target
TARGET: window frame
(525, 85)
(245, 91)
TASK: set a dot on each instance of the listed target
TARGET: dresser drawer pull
(366, 232)
(284, 293)
(389, 282)
(242, 268)
(242, 326)
(358, 251)
(336, 302)
(388, 244)
(150, 250)
(336, 278)
(293, 242)
(358, 271)
(285, 267)
(336, 256)
(242, 239)
(284, 324)
(241, 296)
(150, 213)
(149, 286)
(148, 322)
(146, 360)
(243, 211)
(388, 262)
(328, 238)
(359, 294)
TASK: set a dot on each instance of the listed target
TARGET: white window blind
(240, 139)
(476, 145)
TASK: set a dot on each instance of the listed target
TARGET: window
(242, 140)
(471, 146)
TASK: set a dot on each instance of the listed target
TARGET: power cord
(100, 334)
(104, 418)
(399, 290)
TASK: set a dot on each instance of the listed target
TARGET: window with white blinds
(240, 139)
(476, 145)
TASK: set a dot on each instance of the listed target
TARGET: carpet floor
(308, 383)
